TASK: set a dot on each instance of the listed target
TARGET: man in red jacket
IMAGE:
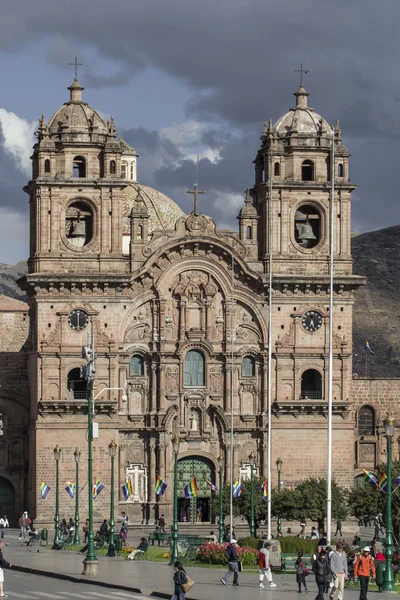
(363, 568)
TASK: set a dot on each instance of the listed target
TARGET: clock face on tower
(78, 319)
(311, 320)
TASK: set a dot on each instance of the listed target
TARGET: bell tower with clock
(293, 189)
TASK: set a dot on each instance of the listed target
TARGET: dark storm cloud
(238, 57)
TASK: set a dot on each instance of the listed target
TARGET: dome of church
(301, 118)
(163, 211)
(76, 116)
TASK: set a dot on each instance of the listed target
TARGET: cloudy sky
(188, 77)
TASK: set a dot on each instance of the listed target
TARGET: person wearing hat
(362, 570)
(232, 558)
(322, 572)
(264, 565)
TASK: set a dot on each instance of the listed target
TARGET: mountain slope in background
(376, 315)
(8, 277)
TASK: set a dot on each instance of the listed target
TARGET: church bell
(306, 233)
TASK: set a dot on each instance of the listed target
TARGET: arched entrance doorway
(7, 501)
(195, 509)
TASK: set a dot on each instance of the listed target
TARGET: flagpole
(231, 436)
(330, 368)
(269, 483)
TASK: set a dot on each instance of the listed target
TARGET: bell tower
(292, 197)
(295, 161)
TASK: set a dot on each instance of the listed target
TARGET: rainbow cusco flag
(191, 489)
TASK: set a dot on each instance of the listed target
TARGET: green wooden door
(195, 509)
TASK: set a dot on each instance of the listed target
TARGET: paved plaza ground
(139, 578)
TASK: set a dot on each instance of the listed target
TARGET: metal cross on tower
(196, 191)
(76, 64)
(302, 72)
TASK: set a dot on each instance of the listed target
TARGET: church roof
(76, 116)
(8, 304)
(301, 118)
(163, 211)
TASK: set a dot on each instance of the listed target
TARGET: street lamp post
(112, 448)
(174, 551)
(279, 467)
(388, 579)
(57, 455)
(220, 522)
(252, 520)
(77, 456)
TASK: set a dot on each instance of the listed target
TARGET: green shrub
(291, 545)
(250, 542)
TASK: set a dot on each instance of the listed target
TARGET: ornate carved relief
(172, 379)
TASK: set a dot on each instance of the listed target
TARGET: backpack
(261, 560)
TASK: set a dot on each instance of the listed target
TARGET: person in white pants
(338, 562)
(263, 563)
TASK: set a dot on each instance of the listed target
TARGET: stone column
(264, 395)
(228, 371)
(122, 470)
(236, 388)
(236, 461)
(227, 462)
(208, 320)
(153, 400)
(265, 457)
(161, 399)
(152, 470)
(182, 321)
(161, 460)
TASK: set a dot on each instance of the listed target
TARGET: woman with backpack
(180, 579)
(301, 572)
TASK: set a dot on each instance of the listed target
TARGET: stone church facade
(178, 311)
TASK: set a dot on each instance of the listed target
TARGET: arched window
(79, 167)
(277, 169)
(76, 385)
(47, 166)
(340, 170)
(136, 366)
(307, 226)
(328, 168)
(307, 171)
(194, 368)
(366, 421)
(139, 232)
(132, 171)
(249, 233)
(311, 385)
(124, 169)
(79, 223)
(248, 367)
(112, 167)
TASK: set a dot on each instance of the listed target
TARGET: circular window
(307, 226)
(79, 224)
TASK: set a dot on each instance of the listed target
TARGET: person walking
(232, 558)
(301, 571)
(321, 569)
(302, 533)
(3, 563)
(338, 528)
(339, 569)
(85, 530)
(180, 579)
(162, 524)
(362, 570)
(264, 565)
